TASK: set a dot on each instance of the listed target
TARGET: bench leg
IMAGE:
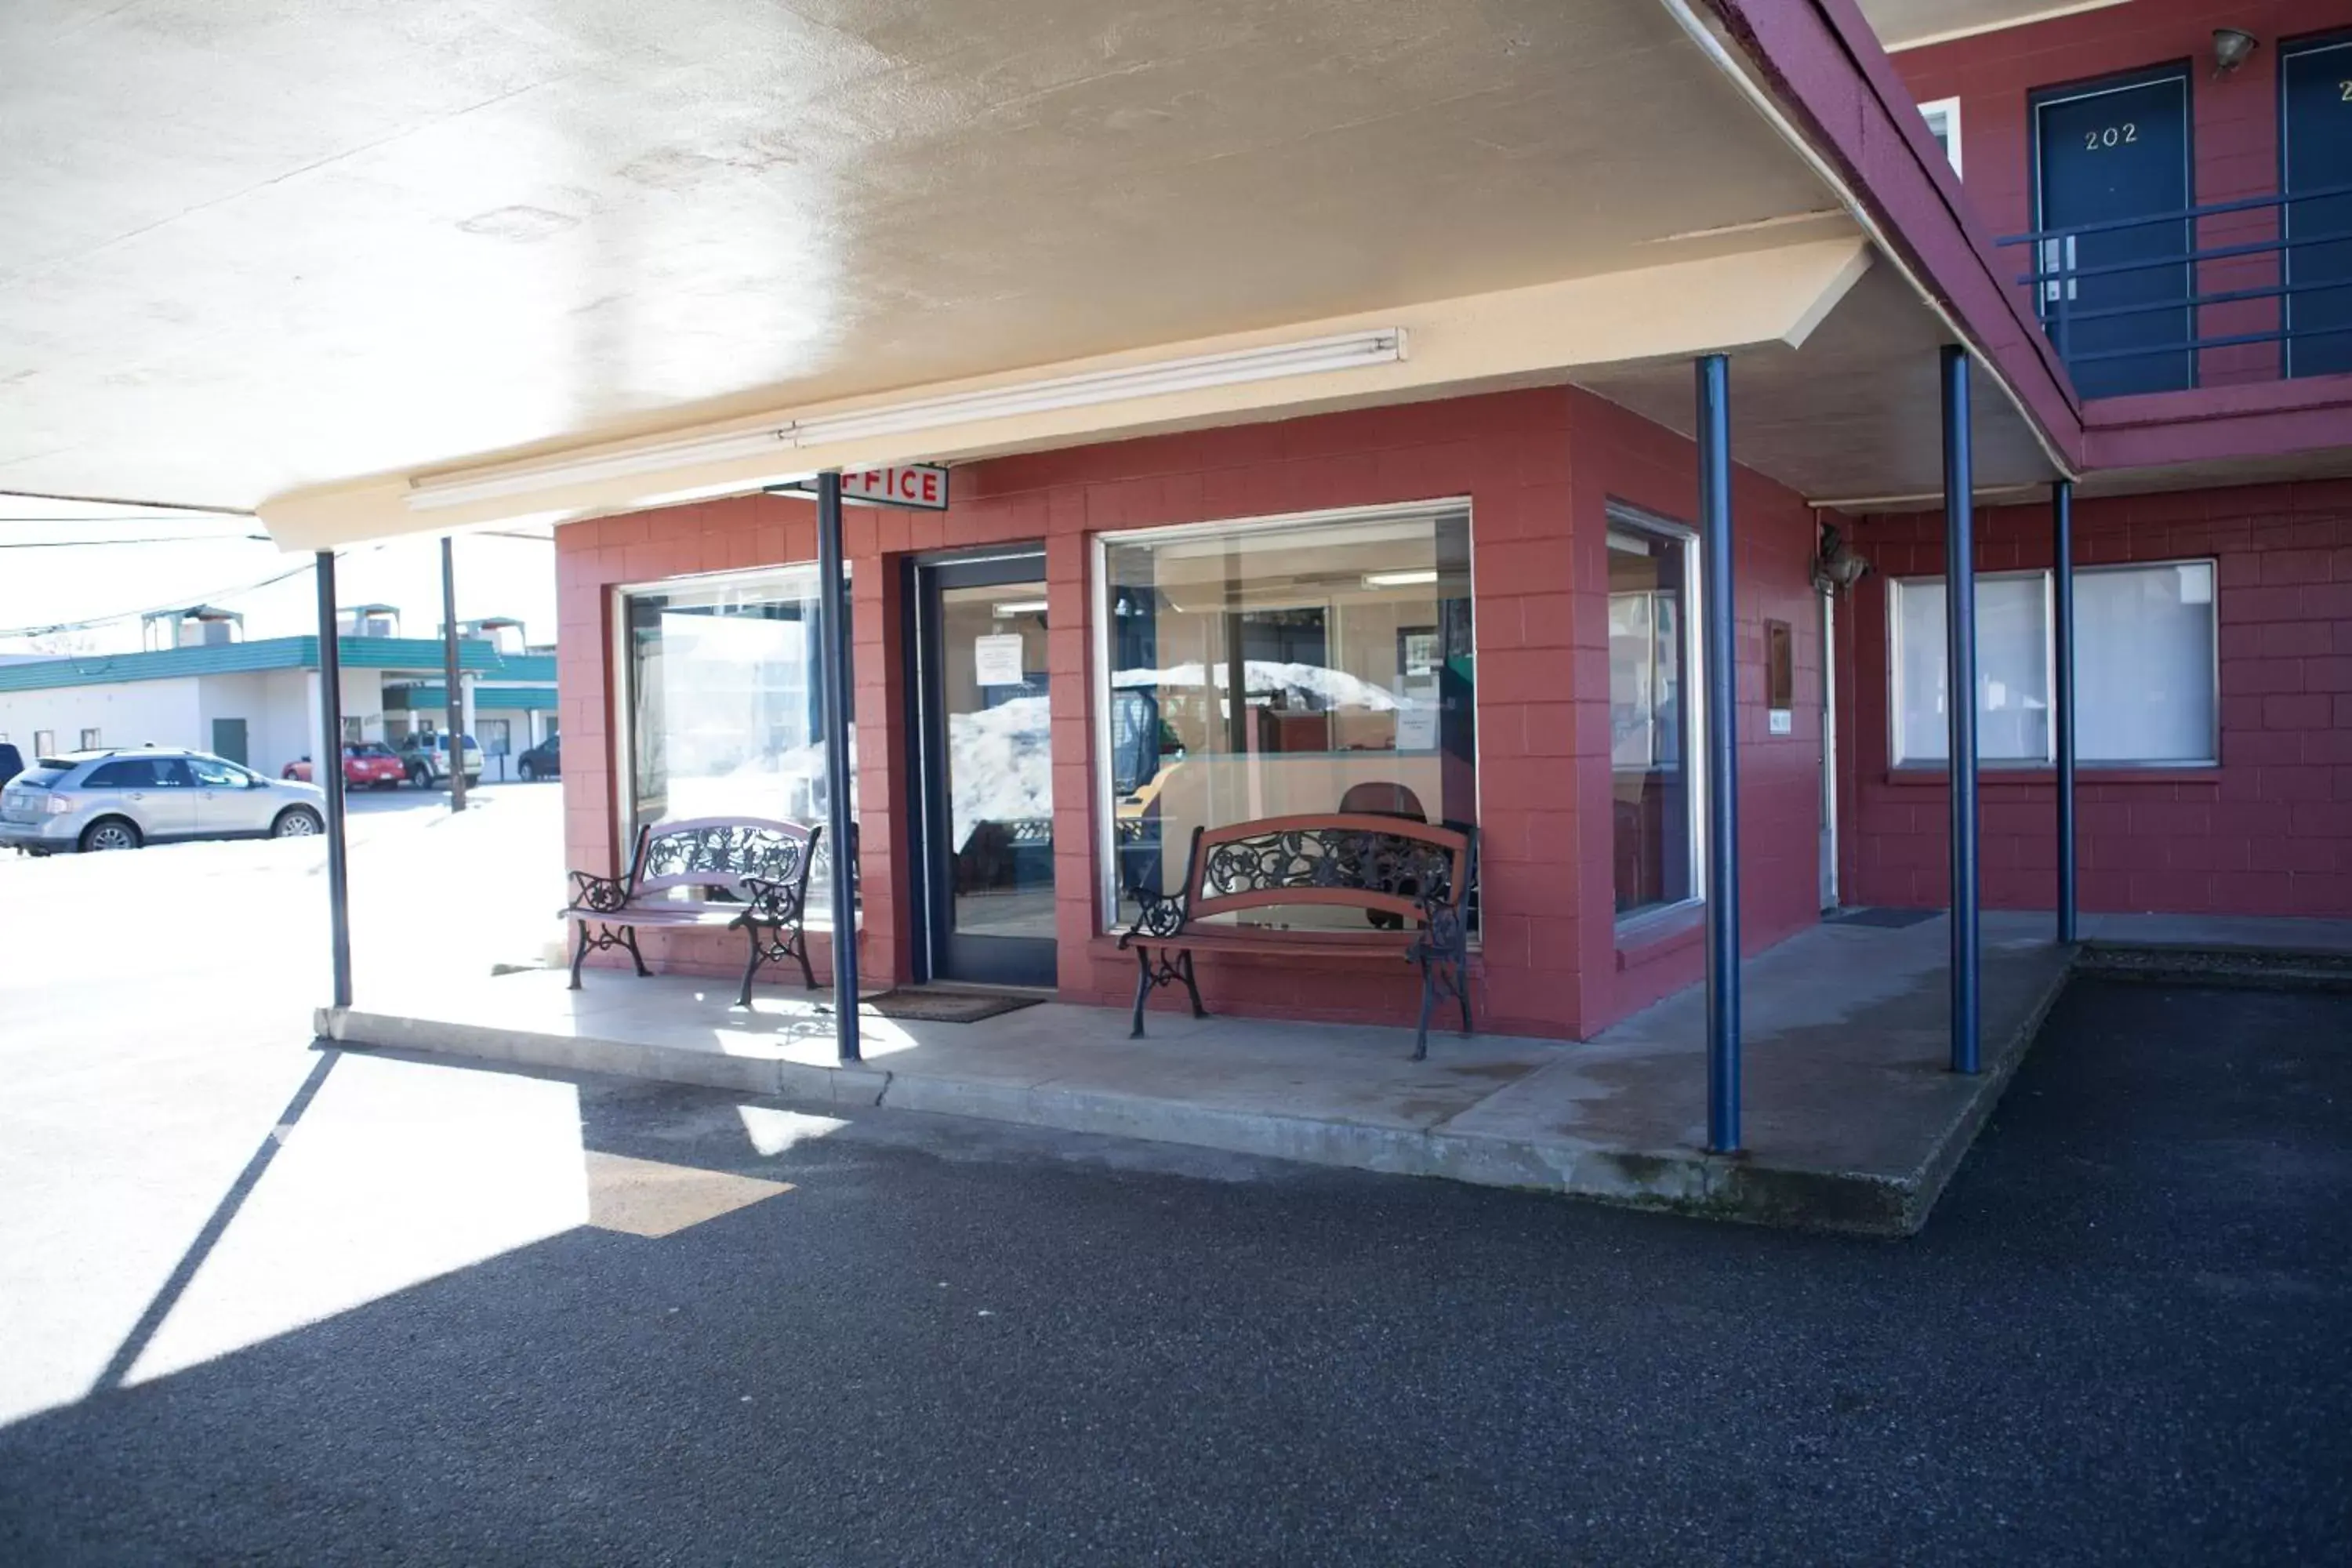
(759, 951)
(629, 940)
(1142, 989)
(1186, 964)
(800, 951)
(580, 955)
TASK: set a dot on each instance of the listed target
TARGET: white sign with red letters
(919, 485)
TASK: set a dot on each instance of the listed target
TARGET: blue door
(2106, 153)
(2315, 154)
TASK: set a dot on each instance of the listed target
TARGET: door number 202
(2113, 136)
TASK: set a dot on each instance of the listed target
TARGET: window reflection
(725, 713)
(1268, 670)
(1649, 718)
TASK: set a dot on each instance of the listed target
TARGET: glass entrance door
(987, 814)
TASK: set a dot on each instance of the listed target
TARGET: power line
(160, 539)
(178, 601)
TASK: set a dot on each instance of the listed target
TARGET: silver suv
(123, 799)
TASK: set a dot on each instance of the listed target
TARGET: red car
(368, 765)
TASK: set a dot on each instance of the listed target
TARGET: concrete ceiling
(1858, 404)
(254, 248)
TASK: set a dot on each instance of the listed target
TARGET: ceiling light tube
(1399, 579)
(1347, 351)
(1310, 356)
(1006, 610)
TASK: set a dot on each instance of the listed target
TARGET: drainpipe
(1961, 698)
(328, 773)
(833, 679)
(1721, 675)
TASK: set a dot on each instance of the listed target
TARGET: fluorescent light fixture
(1347, 351)
(1012, 607)
(1311, 356)
(1399, 579)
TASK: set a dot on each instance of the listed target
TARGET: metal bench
(1393, 869)
(753, 873)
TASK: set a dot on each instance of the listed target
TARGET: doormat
(921, 1005)
(1885, 920)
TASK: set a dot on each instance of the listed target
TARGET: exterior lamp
(1836, 566)
(2231, 48)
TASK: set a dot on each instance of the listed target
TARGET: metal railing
(2057, 279)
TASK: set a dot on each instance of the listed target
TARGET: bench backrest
(718, 852)
(1352, 859)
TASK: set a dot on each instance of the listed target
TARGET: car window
(214, 774)
(171, 772)
(119, 775)
(40, 777)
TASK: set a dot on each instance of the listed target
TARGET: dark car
(545, 761)
(12, 761)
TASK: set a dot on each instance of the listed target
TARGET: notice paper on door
(996, 659)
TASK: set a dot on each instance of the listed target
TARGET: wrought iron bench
(753, 873)
(1392, 868)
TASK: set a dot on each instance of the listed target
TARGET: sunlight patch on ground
(648, 1198)
(398, 1173)
(774, 1131)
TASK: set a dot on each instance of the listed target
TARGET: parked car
(545, 761)
(424, 760)
(12, 761)
(118, 799)
(370, 764)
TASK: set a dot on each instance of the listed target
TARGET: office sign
(923, 486)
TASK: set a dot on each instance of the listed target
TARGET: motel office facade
(1483, 610)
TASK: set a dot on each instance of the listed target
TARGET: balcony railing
(2147, 304)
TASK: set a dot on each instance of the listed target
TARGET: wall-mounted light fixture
(2231, 48)
(1836, 565)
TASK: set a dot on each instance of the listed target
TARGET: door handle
(136, 794)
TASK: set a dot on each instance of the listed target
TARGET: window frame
(1628, 518)
(92, 739)
(39, 749)
(1106, 809)
(1943, 118)
(620, 710)
(2049, 759)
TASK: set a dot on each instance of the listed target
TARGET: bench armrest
(1444, 936)
(603, 894)
(772, 903)
(1161, 918)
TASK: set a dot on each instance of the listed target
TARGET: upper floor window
(1943, 118)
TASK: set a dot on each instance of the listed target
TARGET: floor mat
(922, 1004)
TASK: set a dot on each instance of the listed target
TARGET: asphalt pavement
(384, 1324)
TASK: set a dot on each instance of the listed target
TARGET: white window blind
(2144, 666)
(2144, 663)
(2013, 670)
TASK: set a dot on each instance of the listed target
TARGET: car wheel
(110, 833)
(296, 822)
(473, 779)
(420, 775)
(526, 772)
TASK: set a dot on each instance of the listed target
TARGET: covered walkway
(1854, 1120)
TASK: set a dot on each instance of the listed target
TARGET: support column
(833, 679)
(2062, 522)
(1961, 698)
(327, 772)
(1721, 677)
(456, 699)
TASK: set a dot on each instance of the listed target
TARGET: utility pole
(457, 708)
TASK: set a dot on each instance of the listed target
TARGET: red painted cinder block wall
(2269, 832)
(1538, 467)
(2233, 129)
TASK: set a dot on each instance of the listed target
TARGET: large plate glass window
(724, 713)
(2144, 668)
(1653, 801)
(1320, 664)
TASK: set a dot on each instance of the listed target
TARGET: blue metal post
(2061, 518)
(1722, 687)
(327, 772)
(1961, 698)
(833, 678)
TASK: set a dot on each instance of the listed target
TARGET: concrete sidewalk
(1851, 1120)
